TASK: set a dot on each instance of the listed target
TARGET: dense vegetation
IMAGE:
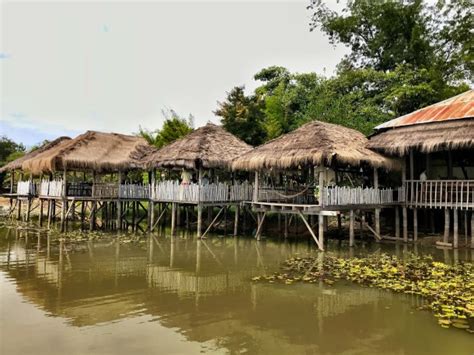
(174, 127)
(404, 54)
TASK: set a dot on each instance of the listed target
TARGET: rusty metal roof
(454, 108)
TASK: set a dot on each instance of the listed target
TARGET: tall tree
(174, 127)
(384, 34)
(243, 116)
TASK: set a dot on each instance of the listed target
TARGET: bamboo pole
(404, 208)
(119, 203)
(236, 220)
(446, 226)
(377, 210)
(351, 228)
(63, 195)
(455, 228)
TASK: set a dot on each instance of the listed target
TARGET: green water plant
(448, 290)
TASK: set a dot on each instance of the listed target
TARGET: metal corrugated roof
(454, 108)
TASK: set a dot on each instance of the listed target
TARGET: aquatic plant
(448, 290)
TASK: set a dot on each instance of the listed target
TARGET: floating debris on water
(447, 289)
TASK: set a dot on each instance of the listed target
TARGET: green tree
(243, 116)
(9, 150)
(384, 34)
(174, 127)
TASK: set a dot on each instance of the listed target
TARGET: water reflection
(201, 289)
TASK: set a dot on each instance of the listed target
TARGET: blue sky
(113, 66)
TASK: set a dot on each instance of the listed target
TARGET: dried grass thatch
(17, 163)
(315, 143)
(210, 146)
(92, 151)
(428, 137)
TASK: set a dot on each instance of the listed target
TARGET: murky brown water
(180, 296)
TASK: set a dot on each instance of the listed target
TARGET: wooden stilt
(259, 227)
(41, 202)
(397, 222)
(321, 231)
(199, 220)
(318, 242)
(50, 212)
(472, 230)
(18, 211)
(173, 218)
(405, 224)
(236, 220)
(455, 228)
(351, 228)
(446, 226)
(63, 207)
(415, 224)
(213, 221)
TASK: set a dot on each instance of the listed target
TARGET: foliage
(9, 150)
(447, 289)
(243, 115)
(385, 34)
(174, 127)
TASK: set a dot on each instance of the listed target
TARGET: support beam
(63, 207)
(320, 246)
(455, 228)
(213, 221)
(321, 230)
(199, 220)
(472, 229)
(173, 218)
(377, 210)
(351, 228)
(119, 203)
(446, 226)
(259, 227)
(397, 222)
(415, 224)
(255, 188)
(404, 208)
(236, 220)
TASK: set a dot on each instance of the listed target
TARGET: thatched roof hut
(92, 151)
(446, 125)
(210, 146)
(17, 163)
(315, 143)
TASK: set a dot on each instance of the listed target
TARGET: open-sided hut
(95, 154)
(26, 188)
(197, 161)
(437, 147)
(302, 172)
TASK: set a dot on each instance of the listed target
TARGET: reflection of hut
(196, 171)
(95, 154)
(437, 145)
(315, 170)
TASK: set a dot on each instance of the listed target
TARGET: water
(180, 296)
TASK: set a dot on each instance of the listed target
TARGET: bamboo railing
(26, 188)
(173, 191)
(458, 194)
(343, 196)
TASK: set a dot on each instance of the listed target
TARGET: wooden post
(236, 220)
(377, 210)
(63, 195)
(446, 226)
(415, 224)
(255, 188)
(404, 208)
(351, 228)
(41, 212)
(119, 203)
(199, 220)
(397, 222)
(173, 218)
(321, 230)
(455, 228)
(472, 230)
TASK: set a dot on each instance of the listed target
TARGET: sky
(66, 67)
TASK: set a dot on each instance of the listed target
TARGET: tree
(384, 34)
(243, 116)
(174, 127)
(9, 150)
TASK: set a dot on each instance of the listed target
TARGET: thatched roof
(97, 151)
(17, 163)
(210, 146)
(315, 143)
(428, 137)
(455, 108)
